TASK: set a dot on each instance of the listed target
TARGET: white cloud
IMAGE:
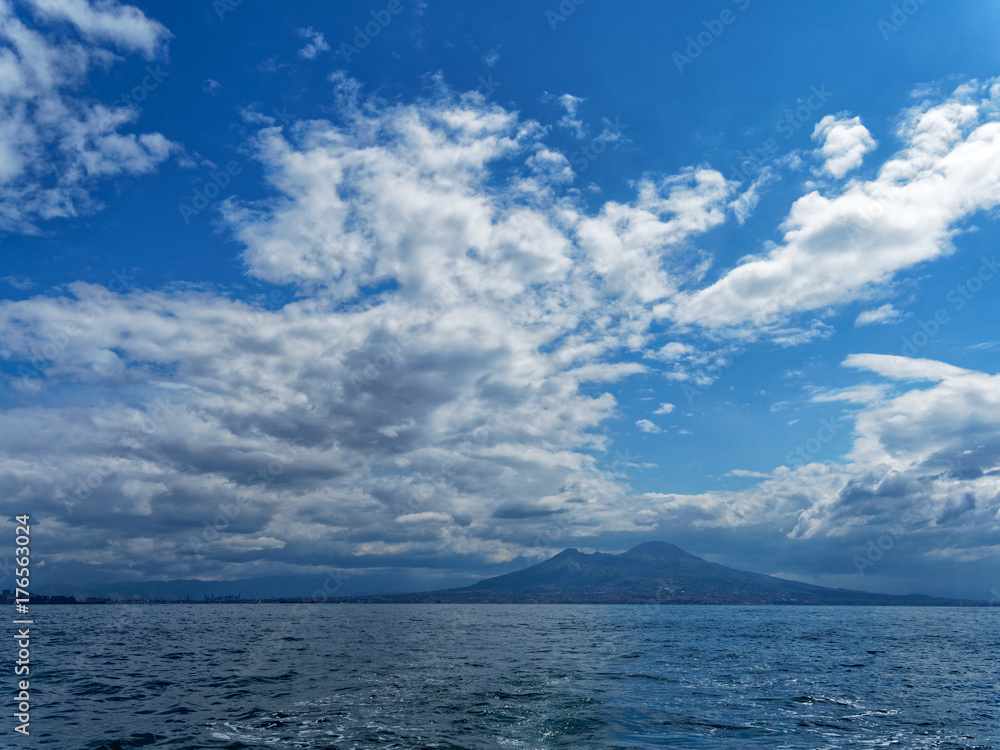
(107, 21)
(857, 394)
(746, 473)
(316, 44)
(837, 247)
(550, 166)
(905, 368)
(456, 412)
(461, 397)
(250, 544)
(883, 315)
(924, 464)
(845, 141)
(629, 244)
(55, 143)
(570, 121)
(746, 202)
(22, 283)
(646, 426)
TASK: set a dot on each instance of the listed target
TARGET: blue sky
(427, 291)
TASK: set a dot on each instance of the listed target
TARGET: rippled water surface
(513, 676)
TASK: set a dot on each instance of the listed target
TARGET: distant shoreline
(403, 599)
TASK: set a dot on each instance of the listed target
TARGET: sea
(529, 676)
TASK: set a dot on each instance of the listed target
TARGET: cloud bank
(428, 376)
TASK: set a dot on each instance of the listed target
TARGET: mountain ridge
(654, 572)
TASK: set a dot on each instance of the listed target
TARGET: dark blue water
(513, 676)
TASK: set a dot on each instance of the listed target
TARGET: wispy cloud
(884, 315)
(315, 45)
(570, 121)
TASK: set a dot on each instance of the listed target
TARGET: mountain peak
(657, 550)
(651, 572)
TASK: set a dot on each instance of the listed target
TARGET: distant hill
(653, 573)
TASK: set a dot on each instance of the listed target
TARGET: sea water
(512, 676)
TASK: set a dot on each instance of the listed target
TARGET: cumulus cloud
(646, 426)
(439, 360)
(431, 384)
(923, 464)
(838, 246)
(56, 144)
(845, 141)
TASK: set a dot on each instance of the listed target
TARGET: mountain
(652, 573)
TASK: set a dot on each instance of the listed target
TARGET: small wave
(136, 740)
